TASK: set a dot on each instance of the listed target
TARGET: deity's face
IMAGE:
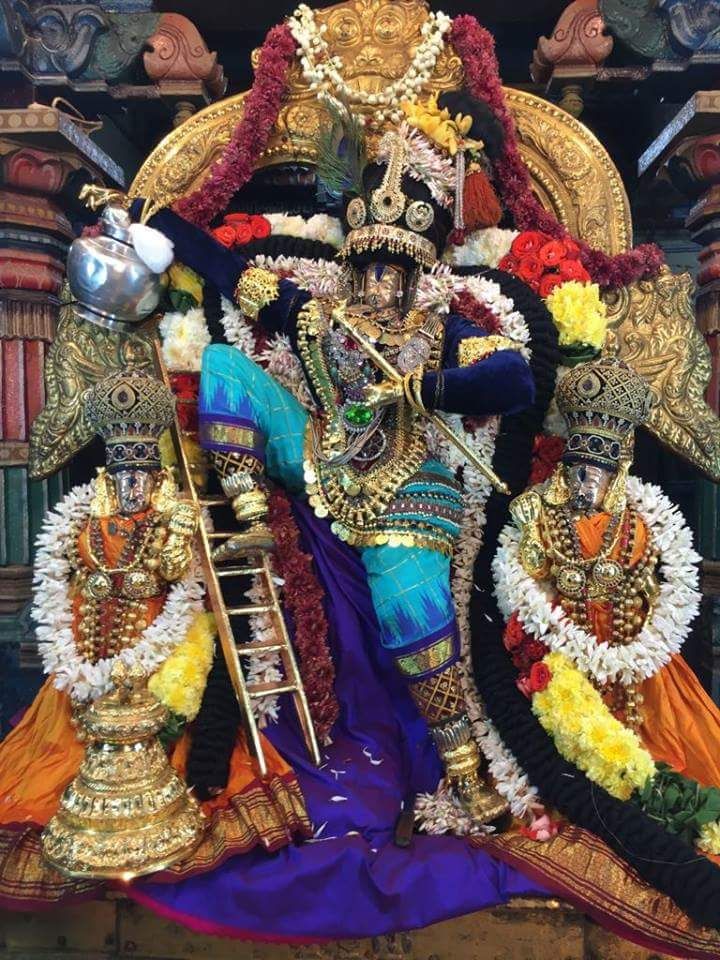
(588, 485)
(133, 489)
(383, 285)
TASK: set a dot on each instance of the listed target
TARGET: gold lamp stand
(127, 813)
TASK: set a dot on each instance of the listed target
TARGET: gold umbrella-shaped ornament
(127, 813)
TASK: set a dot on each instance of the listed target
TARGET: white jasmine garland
(320, 227)
(665, 629)
(322, 70)
(482, 248)
(52, 608)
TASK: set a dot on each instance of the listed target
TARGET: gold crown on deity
(130, 410)
(602, 401)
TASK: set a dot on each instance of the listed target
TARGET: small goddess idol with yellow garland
(361, 456)
(598, 583)
(116, 580)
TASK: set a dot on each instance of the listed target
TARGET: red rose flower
(552, 252)
(527, 242)
(548, 284)
(509, 263)
(225, 235)
(233, 218)
(573, 270)
(514, 633)
(540, 677)
(530, 268)
(261, 227)
(244, 233)
(523, 685)
(534, 649)
(547, 451)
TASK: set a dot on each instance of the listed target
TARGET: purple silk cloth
(351, 880)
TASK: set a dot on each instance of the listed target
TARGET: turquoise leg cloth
(410, 589)
(244, 410)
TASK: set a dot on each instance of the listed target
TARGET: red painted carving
(578, 45)
(178, 54)
(25, 270)
(30, 169)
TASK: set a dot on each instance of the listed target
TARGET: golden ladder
(256, 563)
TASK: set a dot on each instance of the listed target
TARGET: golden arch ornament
(571, 173)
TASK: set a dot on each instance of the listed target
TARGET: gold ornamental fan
(127, 813)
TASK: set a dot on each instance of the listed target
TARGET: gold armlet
(473, 349)
(255, 289)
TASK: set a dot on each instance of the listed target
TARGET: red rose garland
(476, 48)
(250, 137)
(526, 653)
(240, 228)
(544, 263)
(303, 598)
(547, 451)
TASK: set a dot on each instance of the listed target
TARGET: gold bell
(126, 813)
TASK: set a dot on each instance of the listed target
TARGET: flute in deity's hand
(407, 386)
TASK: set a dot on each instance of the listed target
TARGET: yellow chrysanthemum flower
(587, 734)
(579, 314)
(180, 682)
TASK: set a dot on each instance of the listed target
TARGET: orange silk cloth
(40, 757)
(681, 724)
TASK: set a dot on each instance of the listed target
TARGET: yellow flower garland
(184, 279)
(578, 313)
(180, 682)
(572, 711)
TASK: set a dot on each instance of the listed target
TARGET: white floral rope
(320, 226)
(52, 608)
(482, 248)
(664, 631)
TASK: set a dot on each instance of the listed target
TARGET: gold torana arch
(572, 174)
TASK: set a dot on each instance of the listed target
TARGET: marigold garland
(476, 48)
(579, 314)
(303, 599)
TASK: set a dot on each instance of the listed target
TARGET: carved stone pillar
(37, 161)
(570, 59)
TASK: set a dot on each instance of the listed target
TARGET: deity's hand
(176, 552)
(383, 394)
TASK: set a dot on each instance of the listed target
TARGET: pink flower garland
(476, 48)
(250, 137)
(303, 599)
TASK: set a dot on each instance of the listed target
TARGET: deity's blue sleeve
(223, 268)
(490, 378)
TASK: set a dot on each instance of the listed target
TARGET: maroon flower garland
(250, 136)
(303, 598)
(476, 48)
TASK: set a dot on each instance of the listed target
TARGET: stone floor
(524, 930)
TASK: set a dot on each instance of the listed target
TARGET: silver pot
(111, 284)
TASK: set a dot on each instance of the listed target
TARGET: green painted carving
(118, 49)
(640, 26)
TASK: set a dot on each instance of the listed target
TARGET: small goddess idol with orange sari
(598, 583)
(116, 579)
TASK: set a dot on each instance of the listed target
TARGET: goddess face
(133, 489)
(588, 485)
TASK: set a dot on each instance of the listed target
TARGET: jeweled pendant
(571, 582)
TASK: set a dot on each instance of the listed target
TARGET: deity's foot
(256, 537)
(481, 803)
